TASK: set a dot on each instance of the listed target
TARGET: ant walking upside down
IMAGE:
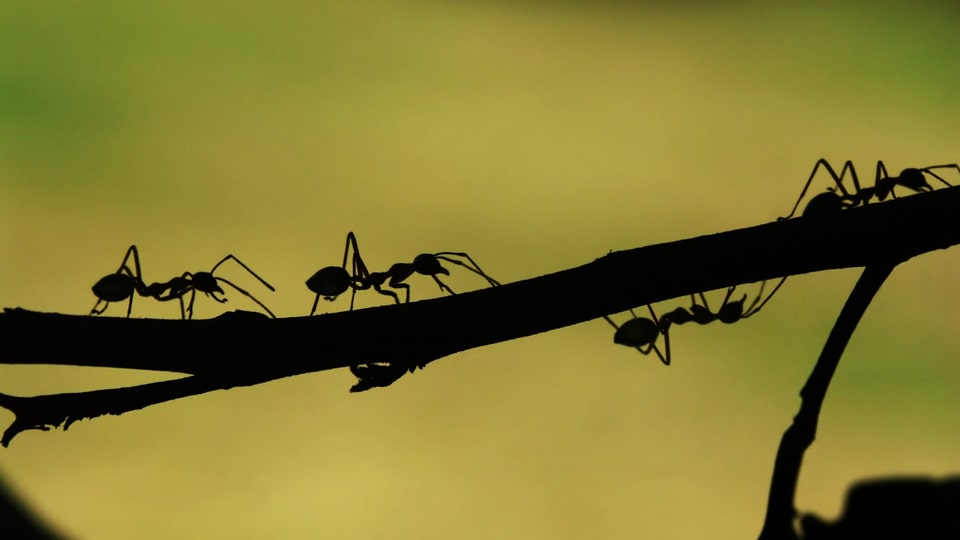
(641, 333)
(837, 197)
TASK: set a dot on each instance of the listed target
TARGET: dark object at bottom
(17, 521)
(915, 508)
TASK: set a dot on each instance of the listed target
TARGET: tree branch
(418, 333)
(781, 511)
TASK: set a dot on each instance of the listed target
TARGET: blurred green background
(536, 136)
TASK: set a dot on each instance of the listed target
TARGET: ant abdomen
(114, 287)
(825, 204)
(329, 282)
(637, 332)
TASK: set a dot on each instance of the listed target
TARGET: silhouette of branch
(781, 512)
(44, 412)
(242, 348)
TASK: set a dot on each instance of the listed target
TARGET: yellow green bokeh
(536, 136)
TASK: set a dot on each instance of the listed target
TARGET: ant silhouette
(332, 281)
(120, 285)
(837, 197)
(641, 333)
(204, 282)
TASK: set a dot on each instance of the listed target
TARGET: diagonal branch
(418, 333)
(424, 331)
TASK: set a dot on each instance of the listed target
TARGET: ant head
(638, 332)
(915, 180)
(205, 282)
(329, 282)
(428, 265)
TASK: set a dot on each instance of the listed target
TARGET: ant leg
(882, 179)
(443, 286)
(94, 310)
(838, 179)
(351, 239)
(665, 331)
(359, 271)
(751, 310)
(393, 294)
(937, 176)
(376, 280)
(881, 172)
(605, 317)
(317, 301)
(726, 299)
(241, 291)
(397, 273)
(138, 277)
(183, 314)
(666, 347)
(379, 288)
(245, 267)
(446, 256)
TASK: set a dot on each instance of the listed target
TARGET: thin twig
(781, 510)
(45, 412)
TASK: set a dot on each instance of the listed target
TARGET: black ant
(837, 197)
(332, 281)
(124, 282)
(641, 332)
(204, 282)
(120, 285)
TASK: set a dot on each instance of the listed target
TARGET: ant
(332, 281)
(641, 332)
(204, 282)
(837, 197)
(124, 282)
(120, 285)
